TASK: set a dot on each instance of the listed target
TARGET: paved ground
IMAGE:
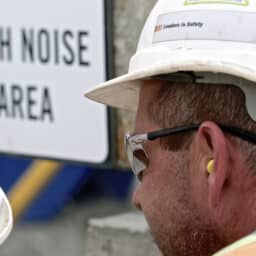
(64, 236)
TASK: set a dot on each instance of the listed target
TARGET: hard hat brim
(123, 92)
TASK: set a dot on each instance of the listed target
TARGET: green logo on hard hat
(234, 2)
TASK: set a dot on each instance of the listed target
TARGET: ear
(213, 145)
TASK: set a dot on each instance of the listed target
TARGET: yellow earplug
(210, 166)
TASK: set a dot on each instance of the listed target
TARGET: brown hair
(184, 104)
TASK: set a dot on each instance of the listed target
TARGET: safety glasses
(138, 158)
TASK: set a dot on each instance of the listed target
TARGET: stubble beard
(188, 233)
(189, 236)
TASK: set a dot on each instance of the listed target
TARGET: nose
(136, 200)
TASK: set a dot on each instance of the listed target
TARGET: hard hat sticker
(235, 2)
(206, 25)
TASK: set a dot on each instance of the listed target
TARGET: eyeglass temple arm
(171, 131)
(243, 134)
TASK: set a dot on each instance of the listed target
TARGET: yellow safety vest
(244, 247)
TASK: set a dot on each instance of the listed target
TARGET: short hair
(180, 104)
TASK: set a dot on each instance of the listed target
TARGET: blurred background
(59, 205)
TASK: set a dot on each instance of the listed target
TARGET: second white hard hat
(6, 218)
(216, 37)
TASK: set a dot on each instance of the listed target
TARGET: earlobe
(214, 157)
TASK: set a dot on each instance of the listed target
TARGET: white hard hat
(214, 37)
(6, 218)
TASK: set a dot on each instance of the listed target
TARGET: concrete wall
(129, 17)
(120, 235)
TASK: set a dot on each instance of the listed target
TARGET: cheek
(166, 199)
(162, 189)
(157, 207)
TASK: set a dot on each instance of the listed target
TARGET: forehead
(148, 94)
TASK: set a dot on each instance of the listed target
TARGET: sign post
(51, 52)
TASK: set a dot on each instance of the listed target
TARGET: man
(192, 82)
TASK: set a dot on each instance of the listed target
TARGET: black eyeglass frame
(135, 142)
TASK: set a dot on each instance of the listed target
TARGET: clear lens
(137, 156)
(140, 159)
(129, 150)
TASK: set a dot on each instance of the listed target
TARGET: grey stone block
(120, 235)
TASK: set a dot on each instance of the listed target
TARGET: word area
(26, 102)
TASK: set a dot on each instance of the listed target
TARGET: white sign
(51, 52)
